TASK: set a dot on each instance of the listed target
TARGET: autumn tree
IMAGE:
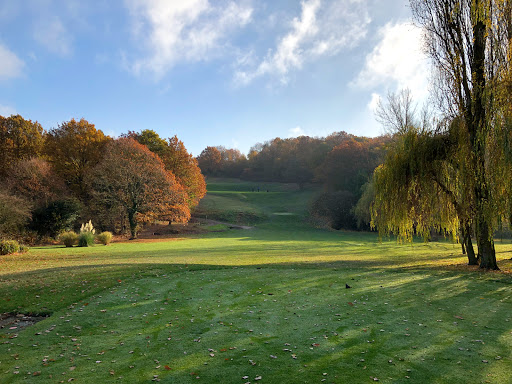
(469, 42)
(423, 182)
(14, 214)
(20, 139)
(132, 178)
(186, 170)
(344, 171)
(35, 180)
(73, 149)
(177, 160)
(210, 160)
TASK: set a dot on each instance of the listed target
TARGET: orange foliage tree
(134, 179)
(19, 139)
(176, 160)
(210, 160)
(74, 148)
(35, 181)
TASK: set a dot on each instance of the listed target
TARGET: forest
(54, 180)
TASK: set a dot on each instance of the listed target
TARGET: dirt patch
(14, 322)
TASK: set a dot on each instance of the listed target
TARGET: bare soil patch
(14, 322)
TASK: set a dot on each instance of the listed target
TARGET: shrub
(68, 238)
(57, 216)
(86, 239)
(9, 246)
(23, 248)
(104, 237)
(14, 214)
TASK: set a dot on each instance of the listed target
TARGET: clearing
(265, 305)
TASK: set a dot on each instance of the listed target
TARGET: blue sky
(213, 72)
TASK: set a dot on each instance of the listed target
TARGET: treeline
(51, 181)
(342, 163)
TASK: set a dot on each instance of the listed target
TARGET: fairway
(268, 304)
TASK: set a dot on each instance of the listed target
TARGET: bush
(9, 246)
(55, 217)
(68, 238)
(14, 214)
(86, 239)
(23, 248)
(104, 238)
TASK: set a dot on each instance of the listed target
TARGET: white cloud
(11, 65)
(374, 102)
(396, 62)
(51, 33)
(183, 31)
(6, 111)
(296, 132)
(323, 29)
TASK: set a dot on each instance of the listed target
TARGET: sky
(212, 72)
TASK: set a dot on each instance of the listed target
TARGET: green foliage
(56, 217)
(8, 247)
(409, 197)
(23, 248)
(362, 210)
(68, 238)
(104, 238)
(85, 239)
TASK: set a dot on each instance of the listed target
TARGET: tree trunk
(133, 224)
(486, 251)
(467, 244)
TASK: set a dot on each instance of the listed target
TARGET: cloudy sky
(213, 72)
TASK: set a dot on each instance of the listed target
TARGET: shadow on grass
(431, 325)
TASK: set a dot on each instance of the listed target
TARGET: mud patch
(14, 322)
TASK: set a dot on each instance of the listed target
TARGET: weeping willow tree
(421, 187)
(457, 178)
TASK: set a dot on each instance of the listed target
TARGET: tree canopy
(133, 179)
(451, 174)
(73, 149)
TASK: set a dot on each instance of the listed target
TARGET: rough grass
(270, 302)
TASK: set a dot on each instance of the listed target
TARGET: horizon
(228, 73)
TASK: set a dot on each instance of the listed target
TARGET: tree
(20, 139)
(55, 217)
(210, 160)
(469, 44)
(74, 148)
(186, 170)
(14, 214)
(132, 178)
(177, 160)
(36, 181)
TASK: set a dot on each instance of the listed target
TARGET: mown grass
(270, 302)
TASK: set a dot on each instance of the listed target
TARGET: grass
(270, 302)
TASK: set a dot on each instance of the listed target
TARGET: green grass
(267, 302)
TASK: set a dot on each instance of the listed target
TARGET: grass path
(268, 305)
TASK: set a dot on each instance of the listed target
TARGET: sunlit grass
(269, 302)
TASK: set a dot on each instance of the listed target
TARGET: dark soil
(14, 322)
